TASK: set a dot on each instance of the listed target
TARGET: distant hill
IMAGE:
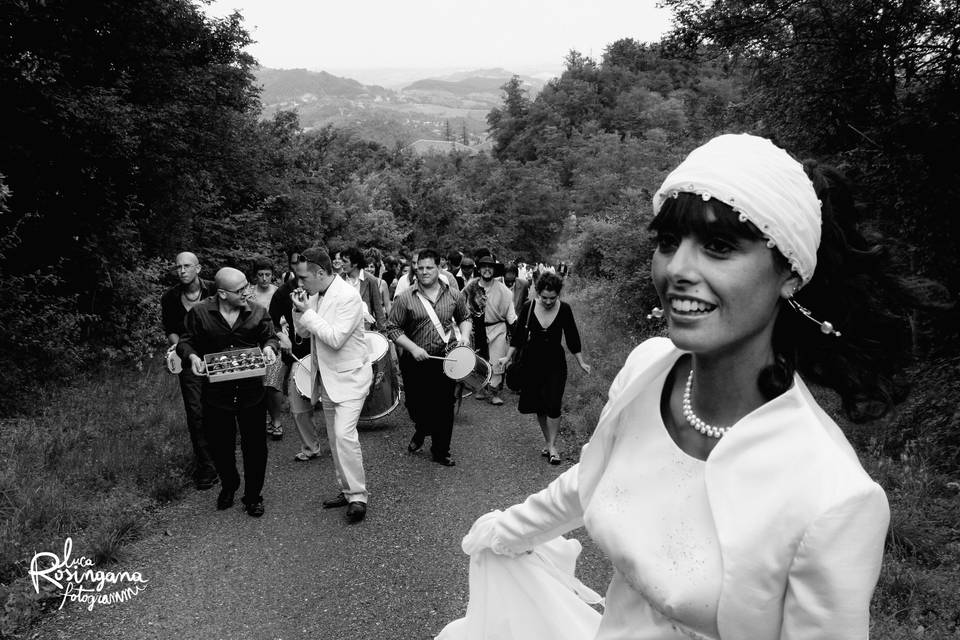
(286, 85)
(430, 108)
(462, 88)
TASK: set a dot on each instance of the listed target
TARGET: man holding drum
(330, 312)
(421, 321)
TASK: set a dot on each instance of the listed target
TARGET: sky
(520, 35)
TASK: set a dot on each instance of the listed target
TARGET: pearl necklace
(693, 419)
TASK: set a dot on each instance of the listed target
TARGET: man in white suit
(330, 312)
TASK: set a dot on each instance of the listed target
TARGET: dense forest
(134, 131)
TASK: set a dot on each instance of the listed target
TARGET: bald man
(222, 323)
(174, 305)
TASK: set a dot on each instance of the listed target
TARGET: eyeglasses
(184, 267)
(239, 291)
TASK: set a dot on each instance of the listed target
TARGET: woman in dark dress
(540, 327)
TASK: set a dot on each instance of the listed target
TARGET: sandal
(554, 458)
(304, 457)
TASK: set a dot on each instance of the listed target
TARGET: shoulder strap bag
(514, 375)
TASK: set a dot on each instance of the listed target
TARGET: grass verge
(91, 464)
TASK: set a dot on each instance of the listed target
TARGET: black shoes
(356, 512)
(339, 501)
(416, 443)
(254, 509)
(206, 482)
(446, 461)
(224, 500)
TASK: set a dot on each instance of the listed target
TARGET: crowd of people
(729, 503)
(313, 323)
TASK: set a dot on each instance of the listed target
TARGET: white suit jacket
(334, 323)
(800, 524)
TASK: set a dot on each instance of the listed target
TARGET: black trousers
(221, 426)
(429, 400)
(191, 387)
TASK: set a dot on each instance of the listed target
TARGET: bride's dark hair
(851, 288)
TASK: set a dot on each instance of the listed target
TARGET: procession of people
(729, 503)
(433, 334)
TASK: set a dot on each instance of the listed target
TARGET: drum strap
(433, 317)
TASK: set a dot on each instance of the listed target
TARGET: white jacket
(800, 524)
(335, 327)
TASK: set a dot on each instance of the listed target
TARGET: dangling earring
(825, 326)
(656, 312)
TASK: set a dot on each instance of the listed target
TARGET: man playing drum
(330, 312)
(420, 321)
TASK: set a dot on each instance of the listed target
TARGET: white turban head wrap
(763, 184)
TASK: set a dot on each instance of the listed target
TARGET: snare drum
(303, 376)
(384, 394)
(464, 365)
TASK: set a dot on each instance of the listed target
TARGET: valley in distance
(395, 106)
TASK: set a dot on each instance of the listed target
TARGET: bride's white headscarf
(763, 184)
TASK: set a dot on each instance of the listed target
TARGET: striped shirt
(408, 317)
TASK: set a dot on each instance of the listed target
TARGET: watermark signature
(78, 581)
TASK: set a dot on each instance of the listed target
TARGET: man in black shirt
(223, 323)
(174, 305)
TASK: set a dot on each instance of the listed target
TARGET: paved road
(302, 572)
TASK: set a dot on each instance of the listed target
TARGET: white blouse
(799, 525)
(652, 506)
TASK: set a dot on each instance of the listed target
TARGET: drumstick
(442, 358)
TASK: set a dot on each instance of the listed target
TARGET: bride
(729, 503)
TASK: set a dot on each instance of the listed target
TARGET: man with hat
(491, 306)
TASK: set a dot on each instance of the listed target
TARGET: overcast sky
(520, 35)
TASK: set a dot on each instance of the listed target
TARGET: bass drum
(384, 394)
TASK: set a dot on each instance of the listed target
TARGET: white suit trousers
(341, 419)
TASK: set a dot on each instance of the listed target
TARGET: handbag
(513, 376)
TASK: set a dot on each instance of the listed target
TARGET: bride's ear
(790, 286)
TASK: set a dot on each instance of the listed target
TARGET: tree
(507, 123)
(873, 85)
(123, 125)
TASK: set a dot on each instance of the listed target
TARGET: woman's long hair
(851, 288)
